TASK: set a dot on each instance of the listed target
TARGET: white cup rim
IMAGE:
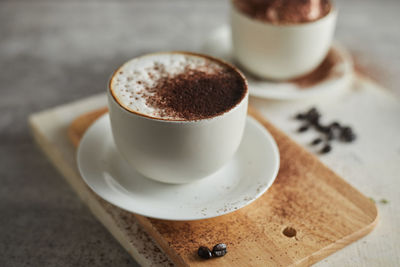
(219, 61)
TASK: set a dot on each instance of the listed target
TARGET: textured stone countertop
(53, 52)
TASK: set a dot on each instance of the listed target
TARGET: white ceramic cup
(280, 52)
(176, 151)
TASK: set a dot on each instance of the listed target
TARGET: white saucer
(242, 180)
(219, 45)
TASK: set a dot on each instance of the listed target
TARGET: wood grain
(325, 211)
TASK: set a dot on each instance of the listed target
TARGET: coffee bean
(313, 119)
(346, 130)
(335, 124)
(204, 252)
(347, 134)
(219, 250)
(300, 116)
(330, 135)
(326, 130)
(313, 110)
(319, 127)
(313, 116)
(326, 149)
(349, 137)
(303, 128)
(316, 141)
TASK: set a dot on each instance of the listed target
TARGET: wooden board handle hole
(289, 232)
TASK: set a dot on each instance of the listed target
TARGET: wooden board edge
(93, 205)
(338, 245)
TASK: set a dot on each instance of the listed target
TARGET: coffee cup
(280, 51)
(175, 150)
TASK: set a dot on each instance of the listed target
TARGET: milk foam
(132, 83)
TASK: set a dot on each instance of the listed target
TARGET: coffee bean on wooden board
(219, 250)
(204, 252)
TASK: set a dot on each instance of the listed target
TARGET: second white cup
(280, 52)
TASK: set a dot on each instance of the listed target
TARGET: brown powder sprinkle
(196, 94)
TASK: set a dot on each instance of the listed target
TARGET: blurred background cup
(280, 51)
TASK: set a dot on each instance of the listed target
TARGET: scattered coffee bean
(330, 135)
(303, 128)
(204, 252)
(313, 116)
(300, 116)
(326, 149)
(328, 132)
(320, 128)
(334, 124)
(316, 141)
(347, 134)
(349, 138)
(219, 250)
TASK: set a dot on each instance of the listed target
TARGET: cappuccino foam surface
(134, 85)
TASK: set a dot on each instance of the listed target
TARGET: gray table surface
(52, 52)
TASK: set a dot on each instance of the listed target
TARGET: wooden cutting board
(307, 214)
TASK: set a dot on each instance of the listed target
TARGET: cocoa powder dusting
(284, 11)
(196, 94)
(321, 73)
